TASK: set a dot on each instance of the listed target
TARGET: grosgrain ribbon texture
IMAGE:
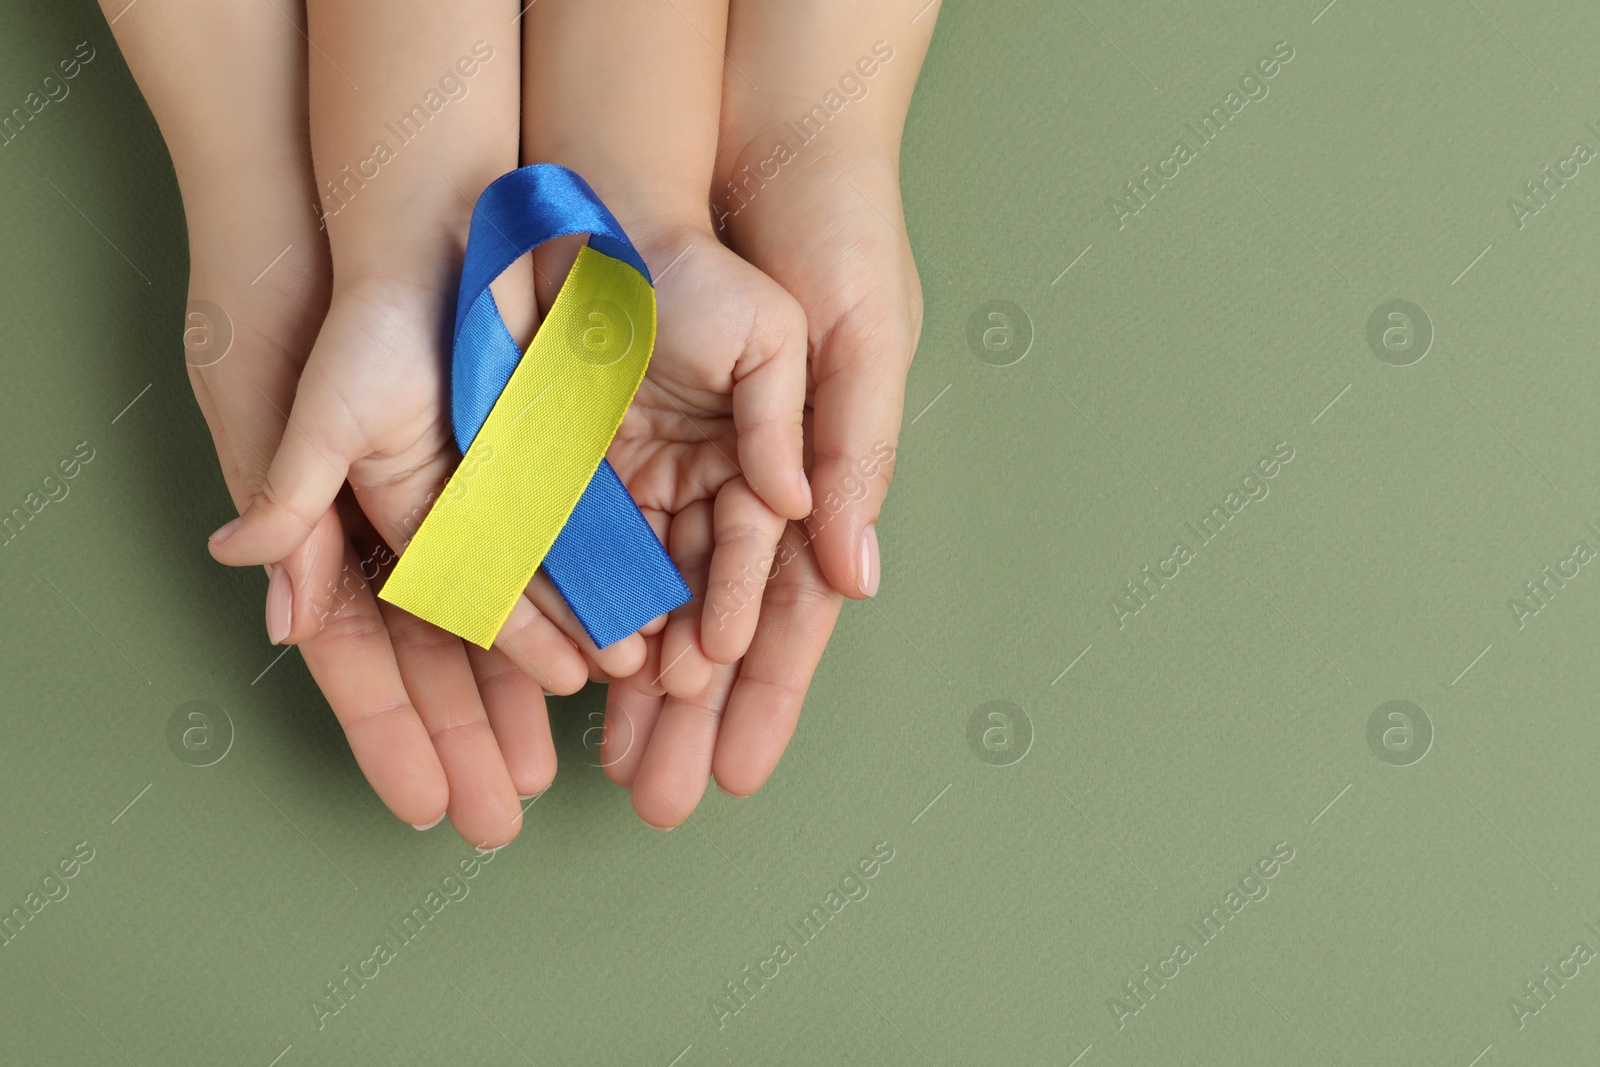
(533, 487)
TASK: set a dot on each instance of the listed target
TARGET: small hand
(830, 230)
(711, 447)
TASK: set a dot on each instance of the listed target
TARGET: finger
(353, 661)
(306, 589)
(312, 461)
(746, 534)
(769, 396)
(859, 399)
(538, 646)
(797, 616)
(309, 583)
(660, 522)
(630, 720)
(685, 666)
(617, 660)
(677, 764)
(531, 640)
(433, 663)
(519, 719)
(648, 680)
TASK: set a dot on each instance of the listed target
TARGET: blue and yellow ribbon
(534, 486)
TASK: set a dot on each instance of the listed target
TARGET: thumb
(858, 404)
(769, 398)
(244, 429)
(311, 464)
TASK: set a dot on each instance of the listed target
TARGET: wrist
(253, 237)
(753, 171)
(643, 196)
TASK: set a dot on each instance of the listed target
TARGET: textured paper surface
(1136, 775)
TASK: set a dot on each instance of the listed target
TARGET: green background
(1113, 806)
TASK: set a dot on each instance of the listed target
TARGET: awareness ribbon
(534, 486)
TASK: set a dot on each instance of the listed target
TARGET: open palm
(827, 238)
(711, 447)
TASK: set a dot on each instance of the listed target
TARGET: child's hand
(371, 406)
(713, 441)
(371, 403)
(864, 312)
(713, 435)
(824, 219)
(712, 447)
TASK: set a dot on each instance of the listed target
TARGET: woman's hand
(226, 81)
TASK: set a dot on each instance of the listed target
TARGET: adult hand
(825, 221)
(234, 118)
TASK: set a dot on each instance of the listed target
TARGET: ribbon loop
(533, 486)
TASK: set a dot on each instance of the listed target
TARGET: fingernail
(429, 826)
(280, 605)
(225, 531)
(663, 829)
(868, 567)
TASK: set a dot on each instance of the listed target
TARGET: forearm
(225, 80)
(628, 94)
(824, 67)
(413, 113)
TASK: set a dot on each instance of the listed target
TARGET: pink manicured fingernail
(429, 826)
(225, 531)
(867, 572)
(280, 605)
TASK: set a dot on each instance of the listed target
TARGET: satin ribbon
(533, 486)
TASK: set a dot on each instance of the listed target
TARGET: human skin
(373, 396)
(830, 228)
(712, 446)
(863, 325)
(418, 707)
(400, 160)
(234, 121)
